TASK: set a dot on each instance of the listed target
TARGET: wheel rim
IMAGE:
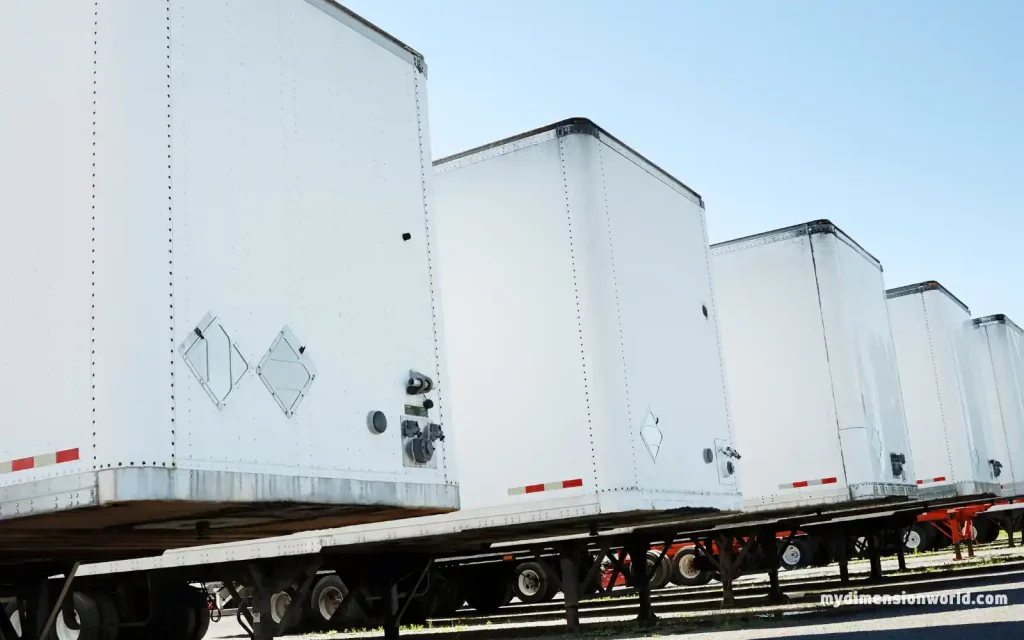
(62, 630)
(329, 602)
(529, 582)
(688, 565)
(792, 555)
(16, 622)
(913, 540)
(861, 544)
(279, 605)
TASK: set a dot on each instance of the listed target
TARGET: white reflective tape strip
(5, 467)
(46, 459)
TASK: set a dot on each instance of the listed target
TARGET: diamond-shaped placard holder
(214, 359)
(651, 434)
(287, 371)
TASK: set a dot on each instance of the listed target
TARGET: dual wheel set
(182, 614)
(925, 536)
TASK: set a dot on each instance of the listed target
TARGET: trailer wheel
(449, 596)
(860, 547)
(89, 617)
(685, 571)
(533, 582)
(328, 607)
(279, 606)
(987, 531)
(201, 616)
(489, 589)
(659, 569)
(13, 615)
(824, 554)
(184, 614)
(796, 555)
(921, 537)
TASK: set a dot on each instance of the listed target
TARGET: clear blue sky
(903, 122)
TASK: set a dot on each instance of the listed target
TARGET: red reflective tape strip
(67, 455)
(799, 485)
(920, 482)
(23, 463)
(829, 480)
(569, 484)
(939, 479)
(534, 488)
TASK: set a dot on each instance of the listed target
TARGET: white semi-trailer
(1002, 345)
(956, 452)
(221, 311)
(811, 370)
(581, 331)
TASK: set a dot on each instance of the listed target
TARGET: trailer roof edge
(806, 228)
(921, 287)
(371, 31)
(997, 318)
(574, 126)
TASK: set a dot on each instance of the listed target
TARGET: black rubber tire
(488, 591)
(89, 618)
(449, 596)
(108, 615)
(178, 615)
(201, 616)
(799, 558)
(349, 612)
(987, 530)
(10, 609)
(824, 554)
(924, 533)
(658, 572)
(537, 575)
(696, 577)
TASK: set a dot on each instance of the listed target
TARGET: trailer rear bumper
(136, 511)
(957, 490)
(827, 495)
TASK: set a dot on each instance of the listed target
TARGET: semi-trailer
(222, 310)
(579, 314)
(811, 369)
(938, 351)
(1002, 367)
